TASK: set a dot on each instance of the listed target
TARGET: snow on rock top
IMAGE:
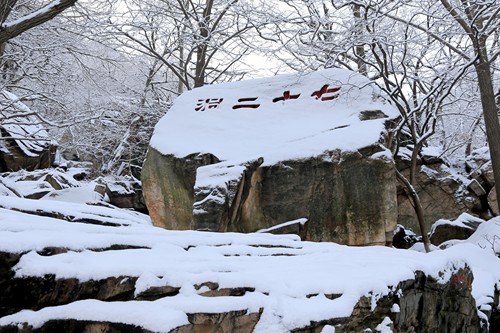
(280, 118)
(20, 123)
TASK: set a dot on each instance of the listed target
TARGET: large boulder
(251, 155)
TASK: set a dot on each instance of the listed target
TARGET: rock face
(75, 277)
(125, 192)
(421, 305)
(336, 194)
(443, 194)
(481, 171)
(317, 156)
(462, 228)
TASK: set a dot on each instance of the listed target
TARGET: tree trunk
(359, 49)
(419, 210)
(490, 111)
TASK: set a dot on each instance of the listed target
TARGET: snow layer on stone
(75, 210)
(487, 236)
(276, 131)
(282, 270)
(465, 220)
(83, 194)
(18, 120)
(283, 225)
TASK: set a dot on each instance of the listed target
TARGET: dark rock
(38, 292)
(425, 305)
(77, 326)
(371, 114)
(462, 228)
(125, 192)
(403, 238)
(233, 321)
(154, 293)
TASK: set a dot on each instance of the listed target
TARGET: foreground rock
(312, 152)
(137, 278)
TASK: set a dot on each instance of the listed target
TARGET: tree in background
(412, 51)
(193, 42)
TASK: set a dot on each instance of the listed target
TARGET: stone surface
(442, 196)
(492, 201)
(125, 192)
(425, 305)
(168, 184)
(335, 192)
(442, 232)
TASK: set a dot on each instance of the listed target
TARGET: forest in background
(99, 75)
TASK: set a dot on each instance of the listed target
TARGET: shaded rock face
(462, 228)
(442, 196)
(168, 184)
(403, 238)
(14, 159)
(423, 304)
(349, 198)
(480, 169)
(126, 193)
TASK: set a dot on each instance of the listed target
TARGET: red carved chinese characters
(209, 103)
(246, 104)
(286, 96)
(330, 92)
(326, 93)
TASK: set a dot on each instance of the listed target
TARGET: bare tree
(480, 20)
(195, 42)
(11, 29)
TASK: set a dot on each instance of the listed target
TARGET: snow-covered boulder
(461, 228)
(24, 142)
(61, 276)
(251, 155)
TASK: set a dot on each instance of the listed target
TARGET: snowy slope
(282, 270)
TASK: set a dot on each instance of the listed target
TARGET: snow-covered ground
(282, 270)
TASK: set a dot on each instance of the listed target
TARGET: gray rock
(442, 195)
(125, 192)
(462, 228)
(348, 197)
(492, 201)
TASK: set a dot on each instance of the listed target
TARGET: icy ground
(290, 278)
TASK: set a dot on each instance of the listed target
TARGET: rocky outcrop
(422, 304)
(418, 306)
(125, 192)
(24, 143)
(336, 193)
(461, 228)
(480, 169)
(443, 193)
(270, 168)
